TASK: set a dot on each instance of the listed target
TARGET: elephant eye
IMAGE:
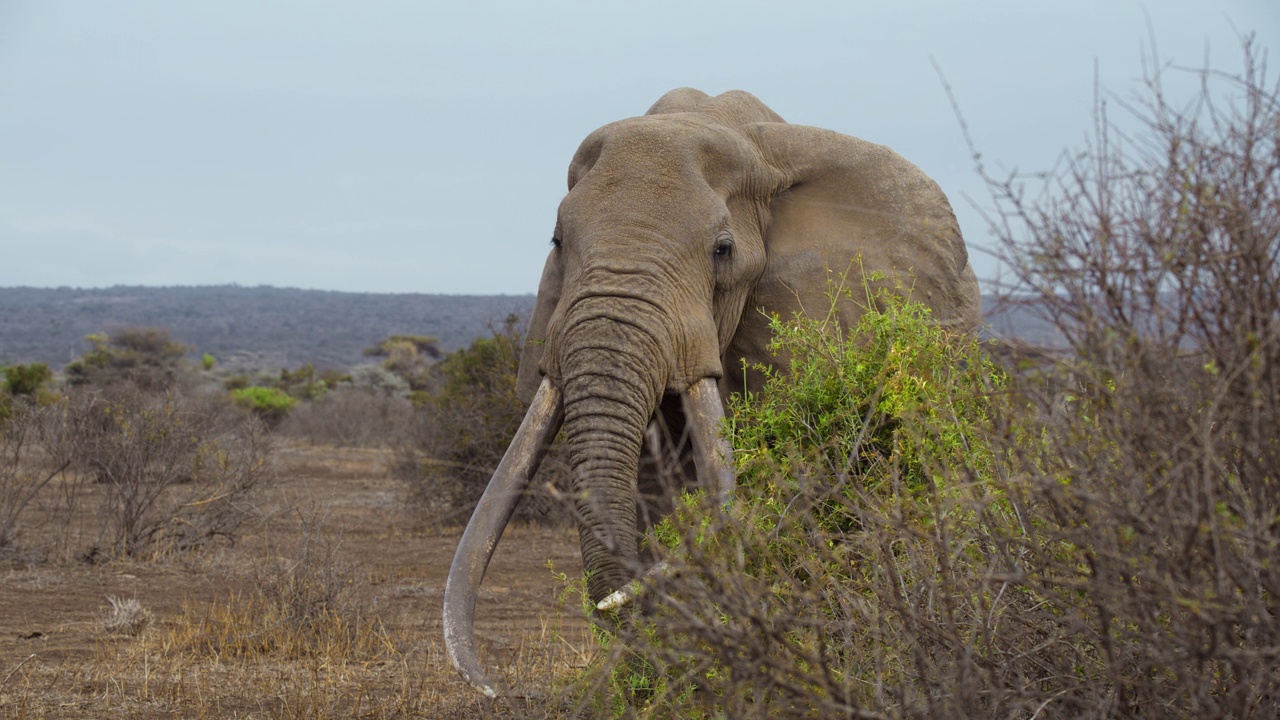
(723, 246)
(555, 241)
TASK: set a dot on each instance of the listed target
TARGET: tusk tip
(616, 600)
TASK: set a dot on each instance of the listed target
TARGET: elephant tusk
(490, 518)
(623, 596)
(712, 454)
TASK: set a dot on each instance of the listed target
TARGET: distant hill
(282, 327)
(272, 327)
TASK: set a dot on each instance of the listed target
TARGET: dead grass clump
(126, 616)
(251, 625)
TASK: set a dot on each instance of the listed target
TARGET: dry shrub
(177, 470)
(145, 357)
(1157, 258)
(459, 434)
(127, 616)
(130, 472)
(1095, 536)
(25, 469)
(350, 417)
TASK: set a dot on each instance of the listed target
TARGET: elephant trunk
(613, 375)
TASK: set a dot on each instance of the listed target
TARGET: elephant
(682, 232)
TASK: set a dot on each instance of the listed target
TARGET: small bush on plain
(271, 405)
(27, 380)
(146, 357)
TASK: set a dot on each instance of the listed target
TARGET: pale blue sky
(421, 147)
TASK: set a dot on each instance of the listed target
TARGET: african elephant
(678, 229)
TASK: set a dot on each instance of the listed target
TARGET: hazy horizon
(402, 147)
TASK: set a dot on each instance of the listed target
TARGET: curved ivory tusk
(623, 596)
(712, 454)
(495, 508)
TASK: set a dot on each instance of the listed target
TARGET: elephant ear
(845, 204)
(530, 375)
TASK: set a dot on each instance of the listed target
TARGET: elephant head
(678, 229)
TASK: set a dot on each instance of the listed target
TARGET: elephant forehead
(681, 147)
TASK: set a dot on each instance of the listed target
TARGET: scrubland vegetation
(927, 525)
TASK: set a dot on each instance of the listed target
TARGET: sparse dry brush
(351, 417)
(460, 432)
(922, 535)
(1157, 256)
(176, 471)
(125, 471)
(25, 468)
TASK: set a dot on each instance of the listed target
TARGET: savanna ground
(66, 651)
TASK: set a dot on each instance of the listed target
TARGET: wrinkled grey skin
(678, 229)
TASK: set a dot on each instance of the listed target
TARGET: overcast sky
(422, 146)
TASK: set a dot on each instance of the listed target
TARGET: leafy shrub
(27, 380)
(409, 357)
(378, 380)
(146, 357)
(269, 404)
(864, 475)
(303, 383)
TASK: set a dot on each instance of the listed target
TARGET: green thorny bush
(864, 476)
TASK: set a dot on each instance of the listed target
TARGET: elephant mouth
(712, 454)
